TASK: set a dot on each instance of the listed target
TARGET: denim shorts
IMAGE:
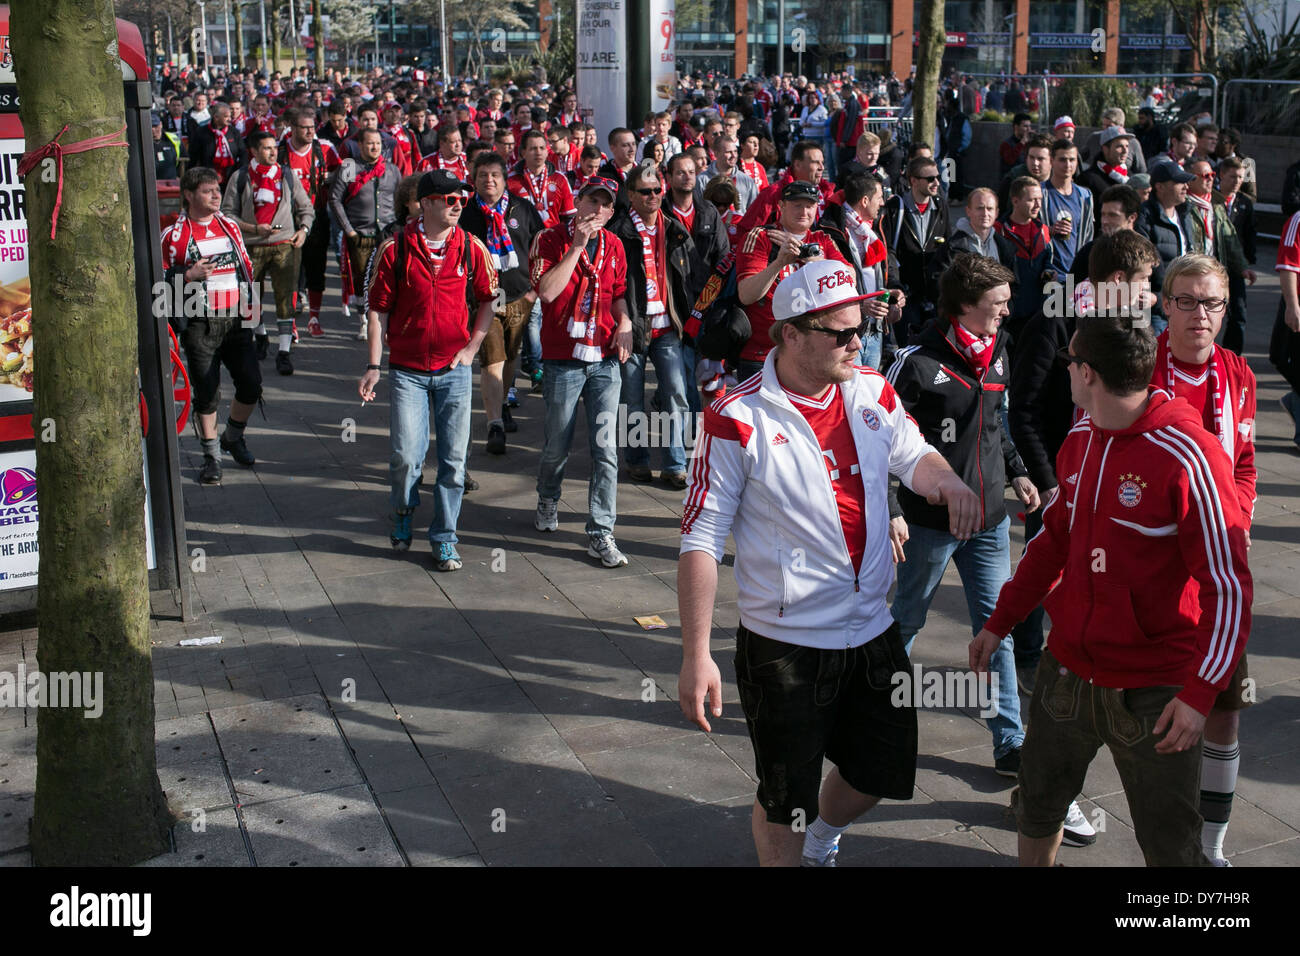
(803, 704)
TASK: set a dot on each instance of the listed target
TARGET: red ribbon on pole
(56, 149)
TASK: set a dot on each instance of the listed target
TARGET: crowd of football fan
(571, 251)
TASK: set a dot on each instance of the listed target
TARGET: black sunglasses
(1064, 355)
(843, 337)
(648, 192)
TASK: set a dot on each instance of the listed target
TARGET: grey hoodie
(964, 240)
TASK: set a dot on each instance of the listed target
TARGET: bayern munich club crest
(1130, 490)
(871, 419)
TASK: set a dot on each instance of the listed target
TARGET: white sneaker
(346, 311)
(603, 547)
(362, 333)
(1078, 831)
(547, 518)
(1218, 860)
(813, 861)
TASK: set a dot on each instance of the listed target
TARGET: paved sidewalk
(363, 709)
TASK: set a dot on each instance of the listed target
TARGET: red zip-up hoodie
(428, 318)
(1141, 562)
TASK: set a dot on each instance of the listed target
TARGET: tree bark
(98, 799)
(275, 38)
(318, 38)
(240, 53)
(929, 60)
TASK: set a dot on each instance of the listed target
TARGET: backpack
(401, 252)
(718, 322)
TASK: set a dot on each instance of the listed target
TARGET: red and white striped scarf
(654, 245)
(583, 323)
(978, 349)
(266, 182)
(1164, 378)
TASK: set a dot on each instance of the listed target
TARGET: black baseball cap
(1168, 172)
(800, 189)
(440, 182)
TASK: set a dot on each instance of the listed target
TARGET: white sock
(261, 329)
(1219, 765)
(820, 839)
(286, 341)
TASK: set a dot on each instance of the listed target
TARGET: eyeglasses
(843, 337)
(1188, 303)
(648, 192)
(452, 201)
(928, 179)
(1066, 356)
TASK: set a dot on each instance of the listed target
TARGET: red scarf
(535, 186)
(1206, 214)
(654, 253)
(222, 158)
(1118, 173)
(978, 349)
(266, 183)
(583, 324)
(359, 183)
(1164, 378)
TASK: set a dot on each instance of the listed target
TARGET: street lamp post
(780, 38)
(442, 38)
(293, 34)
(263, 57)
(203, 32)
(225, 10)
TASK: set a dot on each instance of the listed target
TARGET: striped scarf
(498, 236)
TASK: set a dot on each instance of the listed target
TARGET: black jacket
(921, 259)
(940, 391)
(832, 223)
(1041, 409)
(682, 260)
(1097, 181)
(1243, 220)
(609, 171)
(203, 147)
(523, 223)
(711, 244)
(1291, 190)
(1152, 224)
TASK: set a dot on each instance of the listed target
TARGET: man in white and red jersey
(392, 117)
(1142, 565)
(749, 164)
(417, 287)
(206, 249)
(275, 214)
(537, 181)
(769, 255)
(806, 165)
(1284, 349)
(1221, 387)
(579, 270)
(313, 161)
(521, 123)
(260, 120)
(560, 152)
(795, 463)
(568, 110)
(450, 154)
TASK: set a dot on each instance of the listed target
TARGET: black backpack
(721, 321)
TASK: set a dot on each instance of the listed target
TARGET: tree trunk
(275, 38)
(318, 38)
(98, 800)
(929, 60)
(239, 35)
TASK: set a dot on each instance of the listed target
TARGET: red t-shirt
(1192, 382)
(687, 219)
(548, 248)
(549, 193)
(1288, 250)
(301, 164)
(835, 439)
(754, 257)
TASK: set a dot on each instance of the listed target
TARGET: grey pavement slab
(427, 828)
(213, 839)
(340, 827)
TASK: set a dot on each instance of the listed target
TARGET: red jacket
(428, 321)
(763, 210)
(549, 248)
(1141, 562)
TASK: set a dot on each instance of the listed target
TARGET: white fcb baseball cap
(816, 287)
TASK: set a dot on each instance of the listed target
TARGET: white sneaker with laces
(1078, 831)
(547, 518)
(603, 547)
(828, 861)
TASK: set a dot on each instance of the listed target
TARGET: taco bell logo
(16, 486)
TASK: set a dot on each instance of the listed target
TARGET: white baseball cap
(818, 286)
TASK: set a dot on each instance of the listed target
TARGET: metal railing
(1044, 81)
(1280, 115)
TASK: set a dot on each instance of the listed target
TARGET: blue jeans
(1027, 636)
(531, 354)
(450, 392)
(598, 385)
(869, 354)
(984, 563)
(690, 359)
(666, 354)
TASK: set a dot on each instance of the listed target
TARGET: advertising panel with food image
(16, 359)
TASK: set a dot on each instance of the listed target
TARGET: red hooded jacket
(1141, 562)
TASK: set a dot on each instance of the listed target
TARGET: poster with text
(19, 519)
(15, 286)
(663, 53)
(602, 64)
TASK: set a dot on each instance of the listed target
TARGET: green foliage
(1083, 100)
